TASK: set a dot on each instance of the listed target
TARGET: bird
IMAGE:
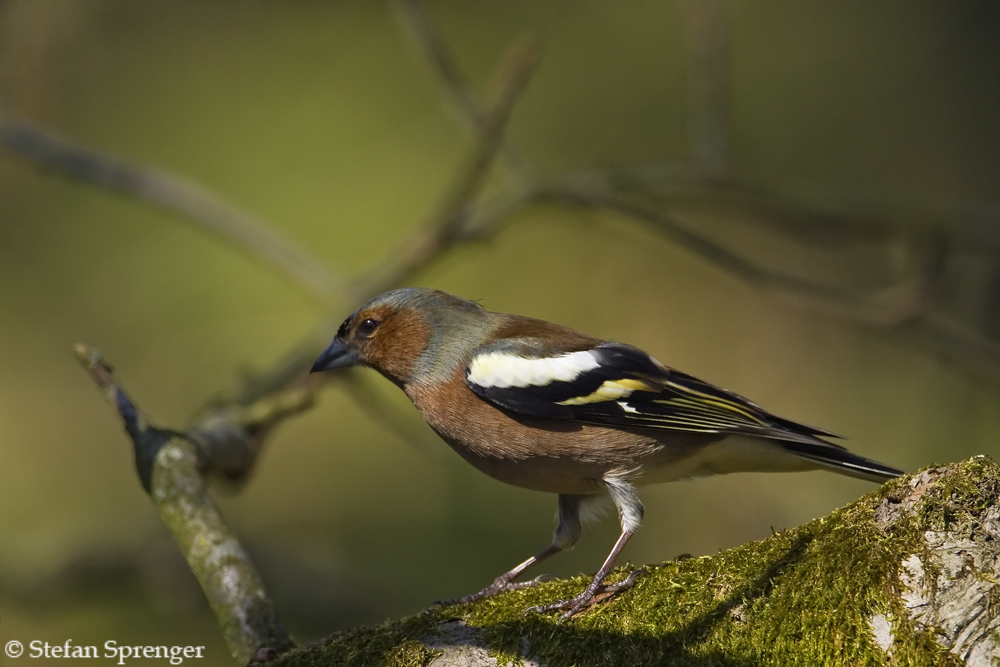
(545, 407)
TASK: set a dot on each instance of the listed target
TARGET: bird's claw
(497, 587)
(592, 595)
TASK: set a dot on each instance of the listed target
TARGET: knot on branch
(230, 437)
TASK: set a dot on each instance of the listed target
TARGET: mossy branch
(907, 575)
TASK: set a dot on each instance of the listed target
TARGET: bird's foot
(593, 594)
(502, 584)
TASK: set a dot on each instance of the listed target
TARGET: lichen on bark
(230, 582)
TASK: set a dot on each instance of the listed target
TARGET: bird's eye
(367, 328)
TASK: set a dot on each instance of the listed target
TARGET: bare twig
(445, 227)
(170, 468)
(425, 35)
(434, 51)
(196, 203)
(838, 217)
(291, 368)
(885, 307)
(670, 182)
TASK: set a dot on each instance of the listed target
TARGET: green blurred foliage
(319, 118)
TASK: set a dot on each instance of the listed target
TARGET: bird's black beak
(337, 355)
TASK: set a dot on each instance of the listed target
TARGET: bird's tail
(842, 461)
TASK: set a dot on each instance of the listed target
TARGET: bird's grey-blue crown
(427, 301)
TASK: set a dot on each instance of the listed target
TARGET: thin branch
(892, 306)
(424, 33)
(170, 467)
(291, 368)
(670, 182)
(843, 217)
(444, 229)
(195, 202)
(433, 50)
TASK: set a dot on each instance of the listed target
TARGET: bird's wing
(619, 385)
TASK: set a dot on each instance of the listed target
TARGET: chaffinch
(542, 406)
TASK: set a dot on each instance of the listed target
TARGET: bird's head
(407, 334)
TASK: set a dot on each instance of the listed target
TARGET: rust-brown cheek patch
(394, 347)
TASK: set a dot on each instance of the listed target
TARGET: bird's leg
(505, 582)
(630, 512)
(566, 534)
(597, 585)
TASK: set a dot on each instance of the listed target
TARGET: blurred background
(796, 202)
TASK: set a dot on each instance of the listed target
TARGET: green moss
(956, 502)
(800, 597)
(393, 644)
